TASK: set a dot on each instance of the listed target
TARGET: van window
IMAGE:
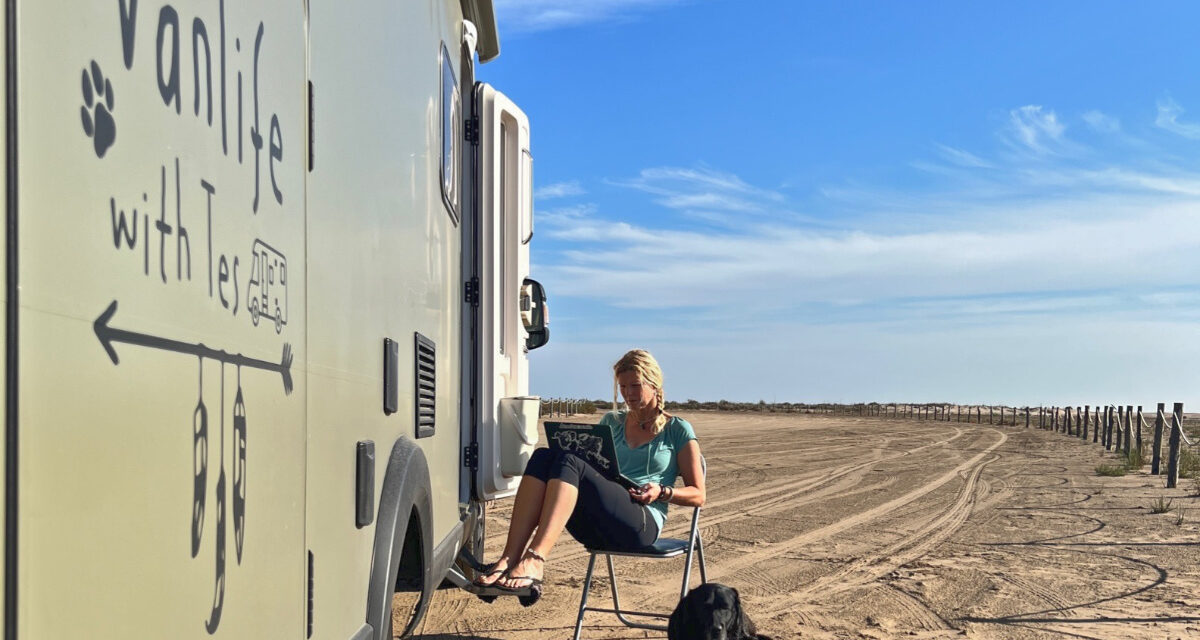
(451, 136)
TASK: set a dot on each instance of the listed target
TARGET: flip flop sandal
(490, 570)
(534, 589)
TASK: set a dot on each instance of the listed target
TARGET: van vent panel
(425, 379)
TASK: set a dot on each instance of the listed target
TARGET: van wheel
(407, 601)
(254, 311)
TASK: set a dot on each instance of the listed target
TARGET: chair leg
(587, 582)
(612, 583)
(700, 553)
(687, 573)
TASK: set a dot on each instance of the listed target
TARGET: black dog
(711, 612)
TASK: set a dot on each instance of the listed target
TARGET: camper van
(267, 314)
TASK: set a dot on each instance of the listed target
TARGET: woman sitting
(562, 490)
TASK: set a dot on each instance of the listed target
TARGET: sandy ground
(842, 527)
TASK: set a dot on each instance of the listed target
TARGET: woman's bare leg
(526, 513)
(557, 505)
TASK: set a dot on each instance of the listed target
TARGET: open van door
(507, 429)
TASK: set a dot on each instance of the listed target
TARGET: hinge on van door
(471, 456)
(471, 294)
(472, 130)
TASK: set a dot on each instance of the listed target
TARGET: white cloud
(562, 216)
(1040, 229)
(963, 158)
(715, 197)
(1049, 360)
(673, 180)
(558, 190)
(1168, 119)
(1101, 122)
(780, 267)
(1037, 130)
(964, 288)
(543, 15)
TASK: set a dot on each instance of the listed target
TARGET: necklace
(644, 424)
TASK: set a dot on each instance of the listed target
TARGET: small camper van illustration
(267, 291)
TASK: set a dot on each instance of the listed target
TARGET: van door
(507, 424)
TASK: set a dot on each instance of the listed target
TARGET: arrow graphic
(108, 335)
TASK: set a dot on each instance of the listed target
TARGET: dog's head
(710, 612)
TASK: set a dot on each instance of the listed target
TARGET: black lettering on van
(120, 229)
(222, 278)
(199, 34)
(210, 190)
(169, 88)
(182, 241)
(128, 26)
(255, 137)
(276, 154)
(236, 292)
(163, 228)
(224, 141)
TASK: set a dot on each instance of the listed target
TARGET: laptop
(592, 442)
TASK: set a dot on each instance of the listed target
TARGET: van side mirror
(535, 314)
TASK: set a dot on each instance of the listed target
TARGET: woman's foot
(493, 573)
(526, 573)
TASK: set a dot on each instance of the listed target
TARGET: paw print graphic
(97, 109)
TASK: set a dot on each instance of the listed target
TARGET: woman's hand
(646, 494)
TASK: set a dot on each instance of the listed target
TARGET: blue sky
(865, 201)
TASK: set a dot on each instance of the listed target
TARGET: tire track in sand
(768, 554)
(878, 564)
(786, 495)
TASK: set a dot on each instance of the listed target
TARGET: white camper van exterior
(267, 313)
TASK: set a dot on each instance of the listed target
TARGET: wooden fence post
(1026, 417)
(1068, 426)
(989, 415)
(1156, 454)
(1087, 416)
(1096, 425)
(1139, 430)
(1119, 428)
(1114, 428)
(1128, 424)
(1108, 428)
(1173, 452)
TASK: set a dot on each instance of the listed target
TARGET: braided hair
(644, 364)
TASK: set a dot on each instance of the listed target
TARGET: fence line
(1113, 427)
(560, 407)
(1116, 428)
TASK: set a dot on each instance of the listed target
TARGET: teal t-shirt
(656, 461)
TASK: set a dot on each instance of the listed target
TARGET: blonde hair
(644, 364)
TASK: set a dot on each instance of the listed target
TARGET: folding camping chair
(664, 549)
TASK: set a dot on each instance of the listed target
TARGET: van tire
(406, 494)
